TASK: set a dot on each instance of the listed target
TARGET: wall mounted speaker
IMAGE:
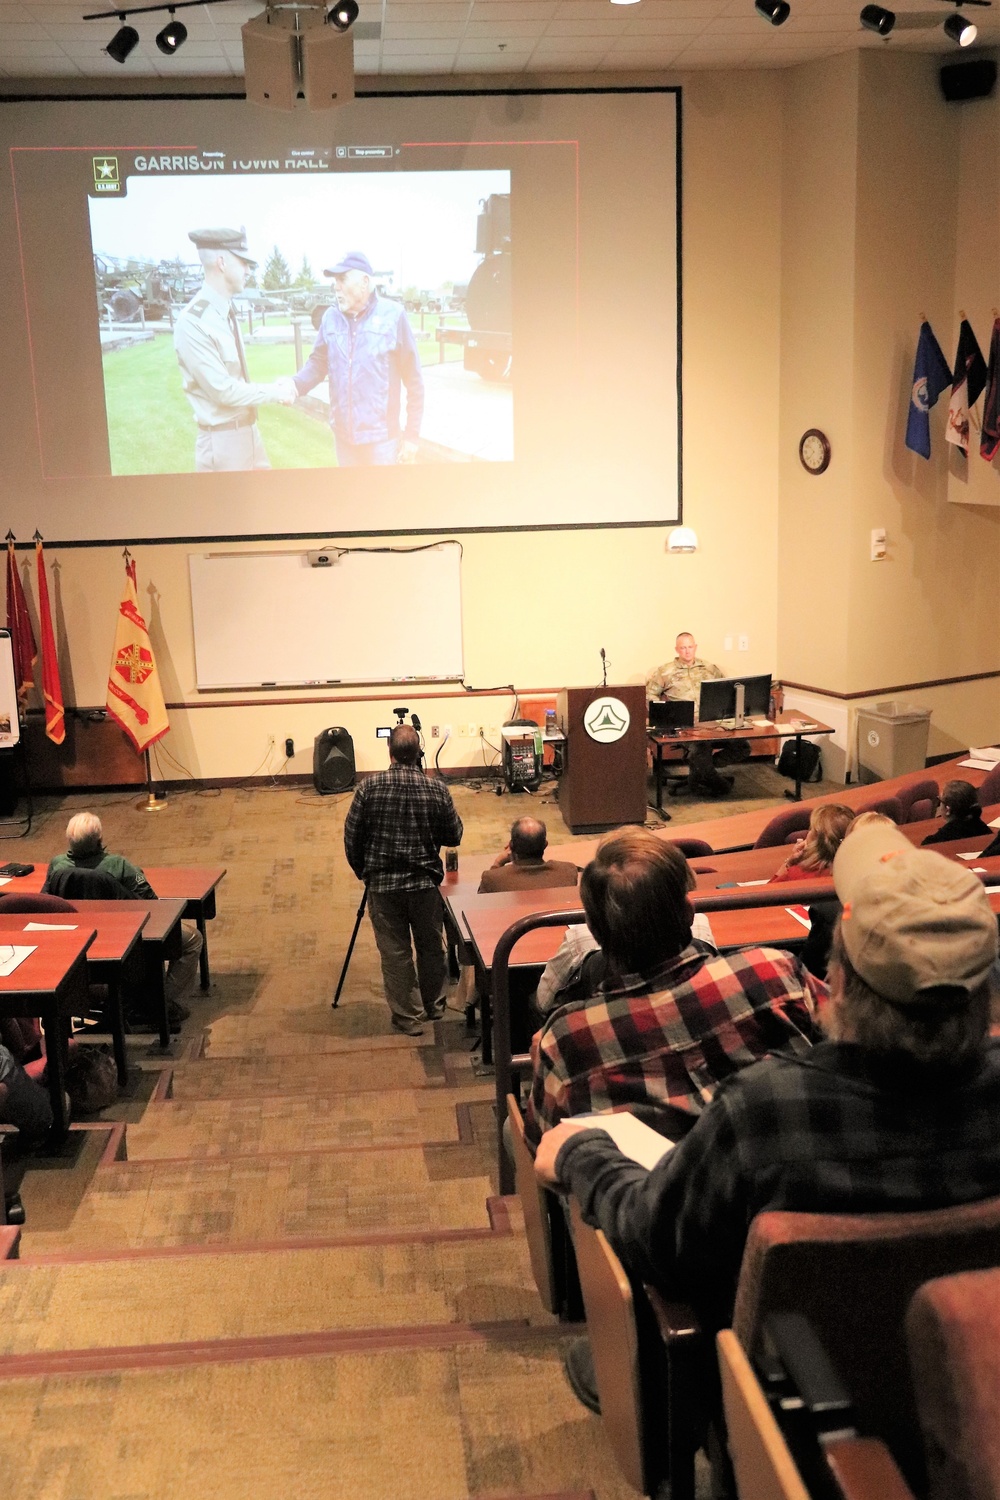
(974, 79)
(333, 761)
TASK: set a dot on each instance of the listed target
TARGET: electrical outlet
(744, 643)
(435, 731)
(447, 731)
(289, 747)
(479, 732)
(495, 733)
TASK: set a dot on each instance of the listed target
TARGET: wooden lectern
(604, 782)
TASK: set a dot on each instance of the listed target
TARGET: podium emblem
(606, 720)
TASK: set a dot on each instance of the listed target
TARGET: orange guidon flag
(55, 719)
(135, 698)
(22, 637)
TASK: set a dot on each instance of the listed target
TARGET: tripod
(350, 948)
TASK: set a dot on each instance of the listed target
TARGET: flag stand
(153, 800)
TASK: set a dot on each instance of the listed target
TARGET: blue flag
(931, 376)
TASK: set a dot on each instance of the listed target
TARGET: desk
(714, 734)
(161, 940)
(113, 958)
(51, 983)
(195, 885)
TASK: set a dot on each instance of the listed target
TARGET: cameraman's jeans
(395, 915)
(25, 1104)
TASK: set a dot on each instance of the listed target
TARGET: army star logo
(106, 179)
(606, 720)
(134, 664)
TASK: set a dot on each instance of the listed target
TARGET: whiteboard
(272, 619)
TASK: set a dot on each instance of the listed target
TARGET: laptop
(671, 714)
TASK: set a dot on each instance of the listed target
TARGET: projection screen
(414, 315)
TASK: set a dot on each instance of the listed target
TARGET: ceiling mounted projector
(296, 55)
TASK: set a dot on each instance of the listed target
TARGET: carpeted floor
(300, 1278)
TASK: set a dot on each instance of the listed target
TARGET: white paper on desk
(993, 823)
(753, 882)
(51, 926)
(801, 915)
(11, 956)
(979, 869)
(992, 890)
(986, 752)
(978, 765)
(6, 879)
(631, 1136)
(968, 856)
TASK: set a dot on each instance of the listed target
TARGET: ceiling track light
(124, 41)
(959, 30)
(173, 35)
(877, 18)
(775, 11)
(343, 15)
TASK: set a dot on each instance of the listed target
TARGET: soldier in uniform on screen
(213, 362)
(366, 350)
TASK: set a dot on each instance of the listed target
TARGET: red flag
(135, 698)
(22, 637)
(55, 719)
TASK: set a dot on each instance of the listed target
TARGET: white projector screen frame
(275, 619)
(596, 287)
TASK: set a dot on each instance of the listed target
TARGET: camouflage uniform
(680, 680)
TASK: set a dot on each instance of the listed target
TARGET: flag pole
(154, 800)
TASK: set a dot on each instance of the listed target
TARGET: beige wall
(818, 224)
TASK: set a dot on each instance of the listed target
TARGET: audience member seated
(963, 816)
(578, 968)
(813, 855)
(86, 851)
(896, 1111)
(523, 867)
(25, 1104)
(672, 1020)
(824, 915)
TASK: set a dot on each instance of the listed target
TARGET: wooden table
(161, 940)
(195, 885)
(787, 726)
(114, 957)
(52, 984)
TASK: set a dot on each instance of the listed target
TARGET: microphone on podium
(604, 667)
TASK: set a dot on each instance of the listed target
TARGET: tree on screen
(305, 278)
(277, 275)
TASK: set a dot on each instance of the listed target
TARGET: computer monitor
(671, 713)
(717, 699)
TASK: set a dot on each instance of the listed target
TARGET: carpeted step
(172, 1299)
(409, 1067)
(241, 1127)
(287, 1195)
(316, 1032)
(444, 1416)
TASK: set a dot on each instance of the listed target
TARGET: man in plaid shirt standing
(678, 1018)
(395, 829)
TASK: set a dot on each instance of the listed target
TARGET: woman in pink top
(813, 855)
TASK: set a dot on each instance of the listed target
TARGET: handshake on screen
(283, 390)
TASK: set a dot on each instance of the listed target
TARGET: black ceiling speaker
(333, 761)
(974, 79)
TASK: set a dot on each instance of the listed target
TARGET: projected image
(268, 320)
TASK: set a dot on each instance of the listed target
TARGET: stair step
(464, 1414)
(285, 1195)
(238, 1127)
(341, 1072)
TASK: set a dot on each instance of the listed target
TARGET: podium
(603, 784)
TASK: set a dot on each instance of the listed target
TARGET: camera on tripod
(400, 714)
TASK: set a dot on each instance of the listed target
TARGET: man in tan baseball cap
(897, 1111)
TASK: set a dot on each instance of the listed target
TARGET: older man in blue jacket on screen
(366, 350)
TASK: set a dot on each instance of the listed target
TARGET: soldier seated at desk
(682, 679)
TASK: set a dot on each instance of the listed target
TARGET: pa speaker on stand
(333, 761)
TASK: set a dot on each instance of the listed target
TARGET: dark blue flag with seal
(931, 376)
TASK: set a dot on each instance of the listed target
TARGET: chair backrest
(920, 792)
(789, 820)
(853, 1276)
(537, 1227)
(764, 1467)
(889, 807)
(989, 788)
(693, 848)
(86, 885)
(614, 1343)
(953, 1331)
(29, 901)
(921, 810)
